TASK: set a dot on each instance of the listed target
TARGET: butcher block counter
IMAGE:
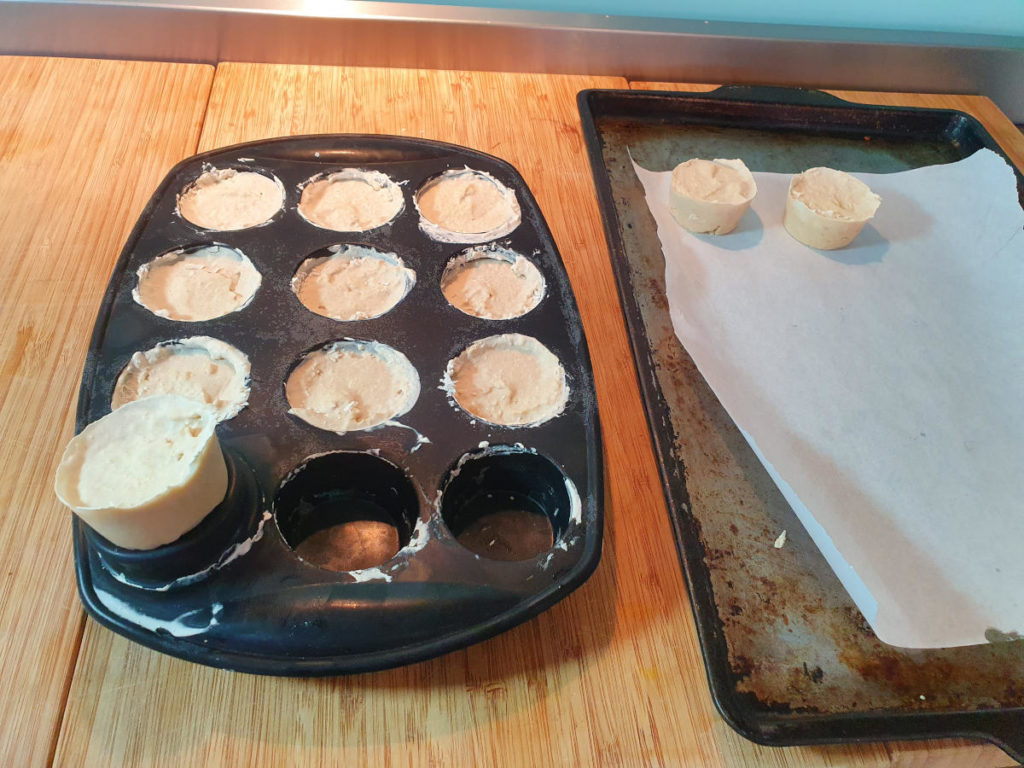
(610, 676)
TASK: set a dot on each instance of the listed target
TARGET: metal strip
(447, 37)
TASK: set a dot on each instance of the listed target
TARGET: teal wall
(995, 17)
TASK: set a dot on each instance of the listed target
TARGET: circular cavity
(346, 511)
(710, 196)
(492, 283)
(467, 206)
(146, 473)
(509, 380)
(201, 368)
(225, 199)
(350, 200)
(197, 284)
(352, 282)
(352, 385)
(827, 208)
(506, 504)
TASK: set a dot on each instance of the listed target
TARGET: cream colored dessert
(492, 283)
(509, 379)
(203, 369)
(197, 285)
(351, 385)
(827, 208)
(467, 206)
(146, 473)
(711, 196)
(350, 200)
(227, 199)
(353, 283)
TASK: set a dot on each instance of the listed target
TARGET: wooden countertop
(610, 676)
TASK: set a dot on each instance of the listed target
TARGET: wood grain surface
(611, 676)
(82, 144)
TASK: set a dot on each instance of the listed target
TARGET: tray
(789, 658)
(231, 593)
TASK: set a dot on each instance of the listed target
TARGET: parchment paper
(882, 385)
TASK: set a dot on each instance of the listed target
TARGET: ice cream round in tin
(226, 199)
(467, 206)
(350, 200)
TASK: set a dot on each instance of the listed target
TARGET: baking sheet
(880, 385)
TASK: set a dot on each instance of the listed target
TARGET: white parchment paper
(882, 385)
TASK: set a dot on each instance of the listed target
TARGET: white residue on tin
(419, 538)
(175, 627)
(246, 160)
(421, 439)
(369, 574)
(443, 235)
(234, 552)
(575, 506)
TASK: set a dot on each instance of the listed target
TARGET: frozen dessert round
(350, 200)
(201, 368)
(492, 283)
(352, 385)
(510, 380)
(827, 208)
(467, 206)
(196, 285)
(352, 283)
(711, 196)
(145, 474)
(226, 199)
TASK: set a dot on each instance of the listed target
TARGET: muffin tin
(232, 592)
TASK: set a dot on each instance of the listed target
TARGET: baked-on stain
(776, 610)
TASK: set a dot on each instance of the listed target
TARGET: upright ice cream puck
(146, 473)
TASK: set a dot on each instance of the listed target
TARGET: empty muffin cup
(196, 284)
(827, 209)
(227, 199)
(195, 554)
(492, 283)
(352, 282)
(203, 369)
(466, 206)
(505, 503)
(350, 200)
(346, 511)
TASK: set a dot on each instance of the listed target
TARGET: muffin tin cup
(196, 553)
(269, 610)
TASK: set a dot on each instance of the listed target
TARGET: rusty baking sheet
(790, 659)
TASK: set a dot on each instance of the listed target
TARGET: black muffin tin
(232, 593)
